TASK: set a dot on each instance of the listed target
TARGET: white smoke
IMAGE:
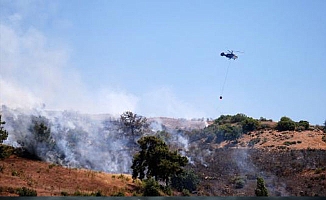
(94, 142)
(37, 70)
(81, 140)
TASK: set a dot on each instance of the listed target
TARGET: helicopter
(229, 55)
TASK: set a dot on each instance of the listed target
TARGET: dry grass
(273, 139)
(51, 180)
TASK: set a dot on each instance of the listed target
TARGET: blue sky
(162, 58)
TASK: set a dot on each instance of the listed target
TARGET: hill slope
(51, 180)
(292, 163)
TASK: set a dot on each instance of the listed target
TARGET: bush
(254, 141)
(97, 193)
(228, 132)
(6, 151)
(249, 124)
(303, 124)
(151, 188)
(187, 180)
(185, 192)
(238, 118)
(119, 194)
(63, 193)
(26, 192)
(285, 124)
(167, 190)
(223, 119)
(288, 143)
(323, 138)
(261, 189)
(2, 168)
(239, 182)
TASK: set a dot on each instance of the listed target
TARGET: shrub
(262, 119)
(285, 124)
(78, 193)
(52, 165)
(187, 180)
(151, 188)
(185, 192)
(26, 192)
(228, 132)
(239, 182)
(2, 168)
(323, 138)
(6, 151)
(238, 118)
(167, 190)
(265, 126)
(249, 124)
(254, 141)
(261, 190)
(288, 143)
(119, 194)
(63, 193)
(223, 119)
(303, 125)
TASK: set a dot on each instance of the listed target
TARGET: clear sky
(162, 58)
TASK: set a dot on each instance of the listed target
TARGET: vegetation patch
(254, 141)
(285, 124)
(239, 182)
(323, 138)
(26, 192)
(288, 143)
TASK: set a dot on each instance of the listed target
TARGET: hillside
(52, 180)
(216, 178)
(272, 139)
(291, 162)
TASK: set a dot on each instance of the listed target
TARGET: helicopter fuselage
(229, 55)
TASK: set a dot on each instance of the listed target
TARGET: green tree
(133, 124)
(249, 124)
(238, 118)
(304, 124)
(261, 190)
(5, 151)
(223, 119)
(285, 124)
(40, 141)
(156, 160)
(3, 133)
(228, 132)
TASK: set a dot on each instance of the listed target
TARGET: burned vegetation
(233, 155)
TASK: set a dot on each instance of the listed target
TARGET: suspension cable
(226, 75)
